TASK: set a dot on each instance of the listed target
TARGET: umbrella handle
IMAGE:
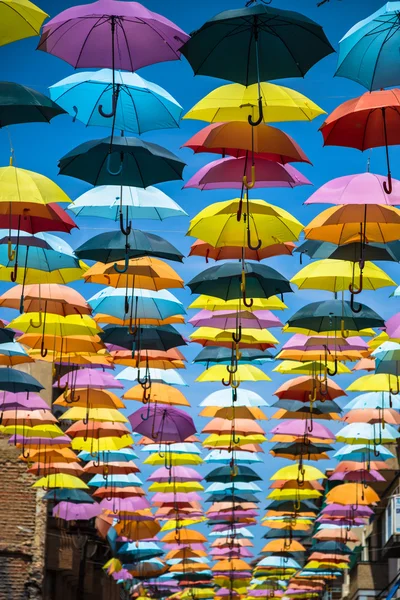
(125, 267)
(252, 183)
(313, 396)
(108, 167)
(260, 115)
(344, 332)
(246, 302)
(36, 326)
(13, 274)
(249, 244)
(126, 305)
(227, 383)
(310, 427)
(301, 478)
(353, 306)
(232, 368)
(335, 370)
(388, 187)
(113, 109)
(237, 338)
(121, 225)
(352, 289)
(323, 390)
(43, 350)
(234, 470)
(397, 392)
(296, 506)
(11, 252)
(234, 384)
(376, 452)
(235, 440)
(147, 417)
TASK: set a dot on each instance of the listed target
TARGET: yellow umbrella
(363, 332)
(177, 524)
(186, 486)
(217, 224)
(293, 494)
(61, 480)
(216, 304)
(337, 275)
(78, 413)
(318, 355)
(213, 336)
(308, 368)
(56, 324)
(19, 186)
(244, 373)
(233, 102)
(19, 19)
(31, 276)
(377, 382)
(303, 472)
(214, 440)
(174, 459)
(94, 445)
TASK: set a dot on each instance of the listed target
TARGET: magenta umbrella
(69, 511)
(223, 319)
(162, 423)
(122, 575)
(195, 547)
(22, 400)
(112, 34)
(343, 510)
(343, 522)
(362, 188)
(130, 504)
(361, 475)
(61, 441)
(393, 326)
(300, 341)
(92, 378)
(168, 497)
(228, 173)
(178, 474)
(299, 428)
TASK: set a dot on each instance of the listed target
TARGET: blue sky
(38, 147)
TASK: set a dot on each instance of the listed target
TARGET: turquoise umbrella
(42, 251)
(369, 50)
(176, 448)
(365, 433)
(167, 376)
(225, 457)
(139, 105)
(146, 304)
(361, 452)
(116, 480)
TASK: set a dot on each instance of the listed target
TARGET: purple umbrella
(23, 401)
(226, 319)
(361, 475)
(131, 504)
(123, 575)
(69, 511)
(178, 474)
(343, 522)
(162, 424)
(343, 510)
(112, 34)
(228, 173)
(61, 441)
(89, 378)
(362, 188)
(238, 514)
(299, 428)
(393, 326)
(178, 497)
(299, 341)
(233, 593)
(195, 547)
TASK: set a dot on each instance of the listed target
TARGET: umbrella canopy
(21, 104)
(20, 19)
(148, 304)
(162, 424)
(151, 338)
(200, 248)
(334, 315)
(361, 188)
(15, 381)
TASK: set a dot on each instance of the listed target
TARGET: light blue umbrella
(225, 457)
(279, 561)
(373, 433)
(178, 448)
(11, 349)
(115, 481)
(361, 452)
(123, 455)
(167, 376)
(42, 251)
(106, 201)
(243, 532)
(374, 400)
(223, 399)
(221, 488)
(146, 304)
(369, 52)
(141, 105)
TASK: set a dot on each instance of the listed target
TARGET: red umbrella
(370, 121)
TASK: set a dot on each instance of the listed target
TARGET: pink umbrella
(178, 474)
(237, 552)
(299, 341)
(361, 475)
(92, 378)
(22, 400)
(362, 188)
(69, 511)
(162, 424)
(224, 319)
(122, 575)
(344, 510)
(178, 497)
(125, 504)
(228, 173)
(393, 326)
(299, 428)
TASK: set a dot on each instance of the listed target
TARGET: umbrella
(255, 338)
(169, 376)
(214, 304)
(298, 429)
(119, 160)
(361, 188)
(365, 122)
(21, 104)
(162, 424)
(219, 355)
(12, 353)
(149, 338)
(235, 281)
(243, 373)
(159, 393)
(238, 139)
(223, 398)
(232, 102)
(228, 319)
(352, 493)
(140, 105)
(366, 51)
(350, 251)
(200, 248)
(20, 19)
(15, 381)
(232, 172)
(69, 511)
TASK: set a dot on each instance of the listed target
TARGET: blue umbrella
(116, 480)
(361, 452)
(148, 304)
(140, 105)
(374, 400)
(369, 51)
(167, 376)
(123, 455)
(225, 457)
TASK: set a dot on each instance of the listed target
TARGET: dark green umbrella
(335, 315)
(225, 281)
(6, 335)
(235, 496)
(299, 449)
(279, 533)
(143, 338)
(318, 407)
(224, 475)
(114, 245)
(283, 505)
(21, 104)
(65, 495)
(256, 43)
(351, 252)
(121, 161)
(215, 354)
(15, 381)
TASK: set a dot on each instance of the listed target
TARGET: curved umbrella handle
(13, 274)
(237, 338)
(388, 187)
(249, 244)
(246, 302)
(122, 227)
(234, 384)
(43, 350)
(260, 115)
(125, 267)
(357, 290)
(397, 392)
(232, 368)
(10, 251)
(147, 417)
(113, 109)
(310, 427)
(376, 452)
(108, 167)
(252, 183)
(132, 330)
(344, 332)
(335, 369)
(301, 478)
(34, 325)
(353, 306)
(235, 440)
(296, 506)
(227, 383)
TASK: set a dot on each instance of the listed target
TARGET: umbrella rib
(233, 32)
(37, 31)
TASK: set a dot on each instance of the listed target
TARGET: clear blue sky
(38, 147)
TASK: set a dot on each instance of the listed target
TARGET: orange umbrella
(155, 363)
(41, 469)
(352, 493)
(285, 414)
(50, 297)
(245, 543)
(116, 492)
(240, 426)
(30, 418)
(186, 536)
(349, 465)
(185, 553)
(89, 397)
(300, 389)
(12, 361)
(339, 534)
(143, 273)
(159, 393)
(173, 354)
(365, 364)
(51, 454)
(283, 545)
(233, 564)
(200, 248)
(189, 567)
(241, 412)
(97, 429)
(137, 530)
(63, 345)
(373, 415)
(113, 468)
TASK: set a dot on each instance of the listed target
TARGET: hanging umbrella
(119, 160)
(218, 355)
(169, 377)
(365, 122)
(19, 19)
(352, 493)
(140, 105)
(21, 104)
(200, 248)
(15, 381)
(233, 102)
(214, 304)
(299, 428)
(365, 433)
(366, 51)
(144, 303)
(228, 319)
(162, 424)
(229, 173)
(53, 298)
(300, 389)
(255, 338)
(361, 188)
(243, 373)
(12, 353)
(150, 338)
(295, 450)
(352, 251)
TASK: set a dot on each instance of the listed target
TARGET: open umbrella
(19, 19)
(162, 424)
(200, 248)
(21, 104)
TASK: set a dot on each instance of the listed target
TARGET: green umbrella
(231, 281)
(20, 104)
(256, 43)
(121, 161)
(143, 338)
(372, 251)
